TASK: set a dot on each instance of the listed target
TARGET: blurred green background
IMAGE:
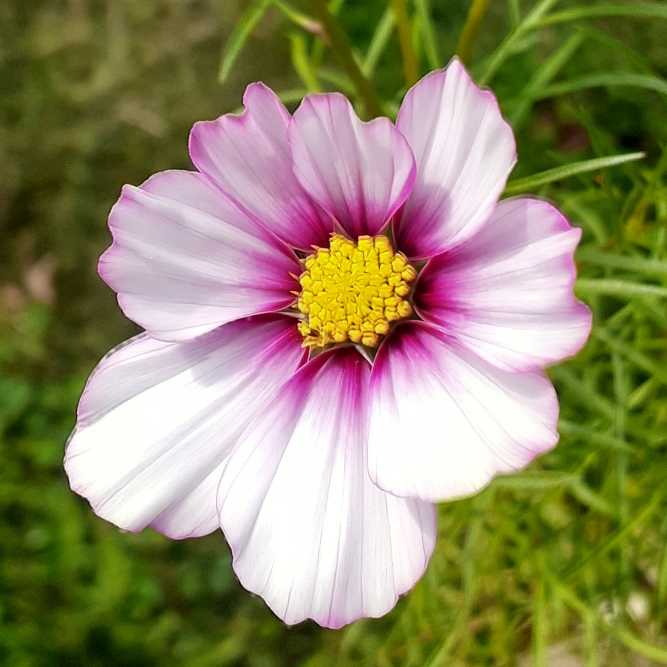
(562, 565)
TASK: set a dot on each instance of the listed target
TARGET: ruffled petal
(309, 532)
(358, 172)
(249, 158)
(444, 422)
(464, 152)
(506, 294)
(157, 421)
(185, 259)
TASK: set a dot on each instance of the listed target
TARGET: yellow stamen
(352, 291)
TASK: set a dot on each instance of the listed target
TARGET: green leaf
(538, 18)
(470, 29)
(535, 481)
(15, 396)
(515, 14)
(251, 17)
(592, 437)
(337, 79)
(481, 504)
(539, 629)
(292, 95)
(298, 18)
(637, 61)
(381, 37)
(601, 79)
(342, 51)
(627, 638)
(589, 498)
(617, 535)
(302, 64)
(619, 288)
(247, 23)
(595, 402)
(642, 361)
(638, 645)
(335, 6)
(404, 31)
(511, 43)
(546, 72)
(649, 267)
(560, 173)
(596, 11)
(425, 23)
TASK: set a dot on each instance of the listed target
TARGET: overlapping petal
(506, 294)
(308, 530)
(249, 158)
(358, 172)
(444, 422)
(186, 260)
(157, 421)
(464, 152)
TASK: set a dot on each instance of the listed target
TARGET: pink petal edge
(185, 260)
(464, 151)
(248, 157)
(507, 293)
(157, 421)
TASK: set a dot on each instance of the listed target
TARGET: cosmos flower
(343, 326)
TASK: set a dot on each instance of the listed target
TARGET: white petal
(195, 513)
(157, 421)
(308, 530)
(464, 152)
(506, 293)
(444, 422)
(186, 260)
(360, 173)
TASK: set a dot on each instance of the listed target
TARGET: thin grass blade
(637, 11)
(603, 79)
(246, 24)
(381, 37)
(559, 173)
(427, 31)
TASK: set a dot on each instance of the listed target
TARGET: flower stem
(402, 20)
(471, 28)
(343, 53)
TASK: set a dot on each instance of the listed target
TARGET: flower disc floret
(353, 291)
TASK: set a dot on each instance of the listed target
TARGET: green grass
(569, 556)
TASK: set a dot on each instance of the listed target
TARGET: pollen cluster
(353, 291)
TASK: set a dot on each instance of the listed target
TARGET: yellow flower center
(353, 291)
